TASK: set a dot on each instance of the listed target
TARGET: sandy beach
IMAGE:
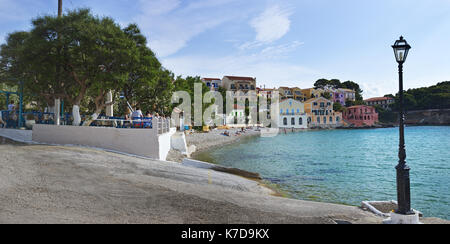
(207, 141)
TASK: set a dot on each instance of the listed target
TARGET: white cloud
(171, 26)
(158, 7)
(267, 65)
(272, 24)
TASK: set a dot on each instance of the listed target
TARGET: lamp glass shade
(401, 49)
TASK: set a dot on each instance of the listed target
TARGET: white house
(292, 114)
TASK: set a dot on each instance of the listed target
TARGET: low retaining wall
(141, 142)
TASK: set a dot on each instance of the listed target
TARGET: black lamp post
(401, 49)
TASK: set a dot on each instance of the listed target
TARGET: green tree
(338, 107)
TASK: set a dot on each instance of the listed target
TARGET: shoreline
(99, 159)
(121, 188)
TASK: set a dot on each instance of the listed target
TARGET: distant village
(306, 108)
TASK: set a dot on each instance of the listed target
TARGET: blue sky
(281, 43)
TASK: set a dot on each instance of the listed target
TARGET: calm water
(349, 166)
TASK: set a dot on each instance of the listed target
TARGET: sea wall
(141, 142)
(428, 117)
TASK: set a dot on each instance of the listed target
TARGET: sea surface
(349, 166)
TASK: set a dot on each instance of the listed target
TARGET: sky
(281, 43)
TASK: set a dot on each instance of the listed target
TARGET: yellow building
(321, 114)
(312, 93)
(294, 93)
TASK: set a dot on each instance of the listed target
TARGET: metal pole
(7, 100)
(21, 104)
(59, 8)
(403, 182)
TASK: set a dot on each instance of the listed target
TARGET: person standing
(11, 106)
(136, 117)
(137, 114)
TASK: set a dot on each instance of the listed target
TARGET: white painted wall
(141, 142)
(304, 125)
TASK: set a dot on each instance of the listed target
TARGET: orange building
(321, 114)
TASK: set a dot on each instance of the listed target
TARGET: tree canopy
(80, 57)
(335, 83)
(433, 97)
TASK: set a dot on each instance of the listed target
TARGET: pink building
(361, 115)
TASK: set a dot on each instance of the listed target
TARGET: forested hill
(433, 97)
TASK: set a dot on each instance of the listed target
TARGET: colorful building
(361, 115)
(212, 83)
(321, 114)
(239, 83)
(383, 102)
(292, 114)
(291, 92)
(348, 94)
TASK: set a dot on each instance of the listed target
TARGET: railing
(163, 125)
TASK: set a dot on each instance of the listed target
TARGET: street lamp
(401, 49)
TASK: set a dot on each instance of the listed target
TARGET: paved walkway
(55, 184)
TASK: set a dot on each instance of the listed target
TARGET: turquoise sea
(349, 166)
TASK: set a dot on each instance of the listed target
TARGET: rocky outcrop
(428, 117)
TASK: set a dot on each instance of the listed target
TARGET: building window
(292, 121)
(318, 120)
(331, 120)
(285, 121)
(337, 119)
(324, 120)
(298, 110)
(292, 111)
(300, 121)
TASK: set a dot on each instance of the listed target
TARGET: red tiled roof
(374, 99)
(240, 78)
(211, 78)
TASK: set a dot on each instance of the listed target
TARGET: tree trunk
(76, 115)
(92, 118)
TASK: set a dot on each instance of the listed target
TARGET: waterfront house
(239, 83)
(338, 96)
(348, 94)
(292, 114)
(291, 92)
(212, 83)
(311, 93)
(361, 115)
(238, 118)
(383, 102)
(321, 114)
(265, 92)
